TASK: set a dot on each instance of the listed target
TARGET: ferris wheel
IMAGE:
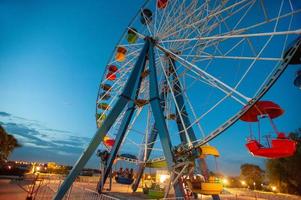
(183, 72)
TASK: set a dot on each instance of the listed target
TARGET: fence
(78, 191)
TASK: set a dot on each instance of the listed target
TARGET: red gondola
(111, 76)
(162, 3)
(113, 68)
(109, 142)
(277, 148)
(280, 148)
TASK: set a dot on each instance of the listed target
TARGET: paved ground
(11, 191)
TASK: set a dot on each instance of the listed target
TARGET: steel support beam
(200, 164)
(151, 143)
(160, 119)
(126, 95)
(181, 104)
(141, 167)
(126, 118)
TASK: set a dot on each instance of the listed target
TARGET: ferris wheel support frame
(126, 118)
(160, 119)
(128, 94)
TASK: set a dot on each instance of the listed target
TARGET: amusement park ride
(182, 63)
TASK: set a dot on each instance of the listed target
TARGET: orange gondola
(104, 106)
(121, 54)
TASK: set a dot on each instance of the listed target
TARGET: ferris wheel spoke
(175, 102)
(245, 29)
(181, 24)
(179, 14)
(208, 111)
(234, 57)
(206, 76)
(210, 16)
(184, 93)
(137, 113)
(165, 18)
(292, 32)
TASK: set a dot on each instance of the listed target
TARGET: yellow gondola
(213, 185)
(208, 150)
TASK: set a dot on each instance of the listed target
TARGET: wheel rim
(207, 41)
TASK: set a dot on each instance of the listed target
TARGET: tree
(251, 174)
(7, 144)
(285, 173)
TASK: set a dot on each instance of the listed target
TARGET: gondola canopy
(262, 108)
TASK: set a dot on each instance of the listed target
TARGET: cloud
(40, 143)
(5, 114)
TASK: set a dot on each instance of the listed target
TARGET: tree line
(7, 144)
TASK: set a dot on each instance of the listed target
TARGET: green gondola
(132, 36)
(156, 194)
(101, 117)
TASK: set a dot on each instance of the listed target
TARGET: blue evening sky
(52, 57)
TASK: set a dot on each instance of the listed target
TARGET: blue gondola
(124, 180)
(297, 81)
(146, 16)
